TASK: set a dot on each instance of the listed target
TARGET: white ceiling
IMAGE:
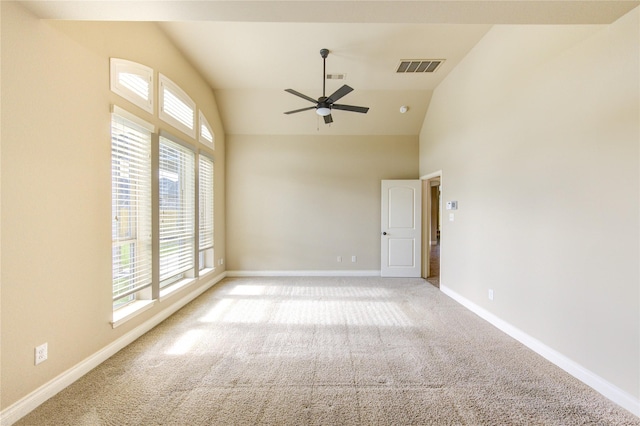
(250, 51)
(250, 64)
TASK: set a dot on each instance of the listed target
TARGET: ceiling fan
(324, 105)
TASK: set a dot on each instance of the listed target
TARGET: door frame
(426, 219)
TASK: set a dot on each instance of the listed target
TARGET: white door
(401, 228)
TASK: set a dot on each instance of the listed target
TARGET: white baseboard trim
(24, 406)
(305, 273)
(607, 389)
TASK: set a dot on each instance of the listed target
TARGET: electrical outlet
(354, 259)
(490, 294)
(339, 259)
(41, 353)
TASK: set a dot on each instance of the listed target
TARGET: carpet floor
(326, 351)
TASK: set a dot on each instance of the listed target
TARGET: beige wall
(295, 203)
(56, 186)
(537, 135)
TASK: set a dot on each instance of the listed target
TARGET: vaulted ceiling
(250, 51)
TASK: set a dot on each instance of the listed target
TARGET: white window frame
(141, 291)
(185, 271)
(204, 125)
(206, 251)
(166, 85)
(118, 67)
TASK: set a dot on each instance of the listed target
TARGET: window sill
(176, 286)
(206, 271)
(124, 314)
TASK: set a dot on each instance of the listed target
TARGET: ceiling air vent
(419, 65)
(336, 76)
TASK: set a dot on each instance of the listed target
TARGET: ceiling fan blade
(352, 108)
(293, 92)
(299, 110)
(328, 119)
(339, 93)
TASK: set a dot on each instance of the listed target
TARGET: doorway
(432, 208)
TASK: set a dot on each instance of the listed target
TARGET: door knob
(384, 233)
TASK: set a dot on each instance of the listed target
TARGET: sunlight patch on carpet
(185, 342)
(308, 312)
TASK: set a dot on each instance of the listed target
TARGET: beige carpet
(327, 351)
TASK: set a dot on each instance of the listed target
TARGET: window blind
(131, 208)
(206, 202)
(206, 134)
(173, 106)
(176, 107)
(177, 209)
(133, 82)
(136, 84)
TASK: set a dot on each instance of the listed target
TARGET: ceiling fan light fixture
(323, 111)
